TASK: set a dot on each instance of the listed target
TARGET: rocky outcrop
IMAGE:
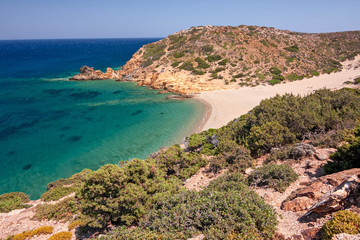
(345, 236)
(88, 73)
(326, 194)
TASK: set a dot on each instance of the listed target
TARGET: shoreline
(229, 104)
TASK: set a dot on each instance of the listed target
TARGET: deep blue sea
(51, 128)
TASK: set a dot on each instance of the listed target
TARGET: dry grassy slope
(242, 55)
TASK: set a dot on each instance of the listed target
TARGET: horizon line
(90, 38)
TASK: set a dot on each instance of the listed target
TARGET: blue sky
(42, 19)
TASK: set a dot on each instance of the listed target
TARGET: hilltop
(221, 57)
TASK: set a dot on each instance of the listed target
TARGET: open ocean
(51, 128)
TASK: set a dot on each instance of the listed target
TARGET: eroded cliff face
(214, 57)
(88, 73)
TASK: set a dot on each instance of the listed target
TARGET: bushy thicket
(175, 162)
(274, 176)
(343, 222)
(12, 201)
(347, 156)
(63, 210)
(283, 120)
(226, 209)
(124, 193)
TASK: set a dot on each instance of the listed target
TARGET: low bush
(232, 156)
(278, 154)
(234, 212)
(274, 81)
(188, 66)
(63, 210)
(201, 63)
(274, 176)
(314, 73)
(12, 201)
(213, 58)
(293, 48)
(343, 222)
(124, 193)
(357, 80)
(147, 63)
(57, 193)
(198, 72)
(178, 54)
(75, 180)
(61, 236)
(175, 162)
(175, 64)
(32, 233)
(207, 48)
(223, 62)
(275, 70)
(347, 156)
(75, 224)
(292, 77)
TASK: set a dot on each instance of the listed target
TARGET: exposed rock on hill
(217, 57)
(88, 73)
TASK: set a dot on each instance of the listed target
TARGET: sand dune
(229, 104)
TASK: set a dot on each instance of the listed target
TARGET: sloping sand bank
(230, 104)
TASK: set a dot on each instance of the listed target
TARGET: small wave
(56, 79)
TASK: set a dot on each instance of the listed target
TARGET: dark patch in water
(56, 92)
(11, 153)
(162, 113)
(65, 128)
(117, 92)
(89, 119)
(74, 138)
(136, 113)
(62, 135)
(27, 166)
(12, 130)
(85, 95)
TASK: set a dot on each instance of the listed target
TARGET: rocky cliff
(217, 57)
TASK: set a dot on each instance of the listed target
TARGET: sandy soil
(229, 104)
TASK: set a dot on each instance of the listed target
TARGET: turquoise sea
(51, 128)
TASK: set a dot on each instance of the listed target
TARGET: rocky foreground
(214, 57)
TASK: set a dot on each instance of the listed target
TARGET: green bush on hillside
(12, 201)
(343, 222)
(57, 193)
(175, 162)
(232, 212)
(178, 54)
(346, 157)
(293, 48)
(188, 66)
(201, 63)
(274, 176)
(207, 48)
(213, 58)
(124, 194)
(63, 210)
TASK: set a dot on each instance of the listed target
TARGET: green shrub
(188, 66)
(357, 80)
(278, 154)
(314, 73)
(267, 136)
(207, 48)
(74, 181)
(346, 157)
(175, 64)
(32, 233)
(223, 62)
(75, 224)
(219, 69)
(64, 210)
(198, 72)
(293, 48)
(174, 161)
(292, 77)
(138, 233)
(274, 176)
(275, 71)
(239, 75)
(57, 193)
(232, 156)
(147, 63)
(178, 54)
(154, 51)
(343, 222)
(124, 194)
(61, 236)
(201, 63)
(234, 212)
(12, 201)
(213, 58)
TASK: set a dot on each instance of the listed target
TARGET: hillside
(216, 57)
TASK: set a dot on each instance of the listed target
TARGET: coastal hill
(220, 57)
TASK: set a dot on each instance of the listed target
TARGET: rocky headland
(223, 57)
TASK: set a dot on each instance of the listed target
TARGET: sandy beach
(227, 105)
